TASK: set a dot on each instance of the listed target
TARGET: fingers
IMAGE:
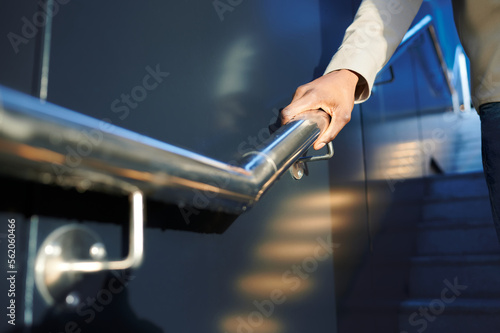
(304, 100)
(309, 101)
(332, 93)
(295, 108)
(338, 121)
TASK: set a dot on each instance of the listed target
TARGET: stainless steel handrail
(46, 143)
(424, 25)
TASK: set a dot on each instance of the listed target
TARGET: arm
(369, 42)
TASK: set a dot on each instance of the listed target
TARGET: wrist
(347, 74)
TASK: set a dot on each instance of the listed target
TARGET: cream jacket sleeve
(369, 42)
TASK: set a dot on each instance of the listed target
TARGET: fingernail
(321, 145)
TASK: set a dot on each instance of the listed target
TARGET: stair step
(480, 274)
(450, 315)
(457, 239)
(456, 186)
(469, 208)
(456, 223)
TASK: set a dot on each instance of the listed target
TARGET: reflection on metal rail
(46, 143)
(424, 25)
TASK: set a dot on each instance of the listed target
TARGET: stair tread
(453, 199)
(471, 208)
(460, 303)
(458, 259)
(456, 187)
(455, 213)
(465, 175)
(456, 223)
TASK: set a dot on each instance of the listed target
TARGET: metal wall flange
(69, 243)
(298, 170)
(70, 252)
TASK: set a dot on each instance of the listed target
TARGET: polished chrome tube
(424, 25)
(46, 143)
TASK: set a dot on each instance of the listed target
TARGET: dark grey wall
(228, 74)
(212, 80)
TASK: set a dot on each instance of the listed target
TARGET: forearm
(369, 42)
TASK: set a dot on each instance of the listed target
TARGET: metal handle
(72, 250)
(326, 156)
(136, 245)
(299, 168)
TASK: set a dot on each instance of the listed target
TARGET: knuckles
(346, 118)
(286, 115)
(301, 90)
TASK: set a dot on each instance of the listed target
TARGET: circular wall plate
(70, 243)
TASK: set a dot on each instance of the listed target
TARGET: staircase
(455, 274)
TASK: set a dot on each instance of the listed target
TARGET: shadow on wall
(108, 311)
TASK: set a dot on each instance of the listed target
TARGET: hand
(332, 93)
